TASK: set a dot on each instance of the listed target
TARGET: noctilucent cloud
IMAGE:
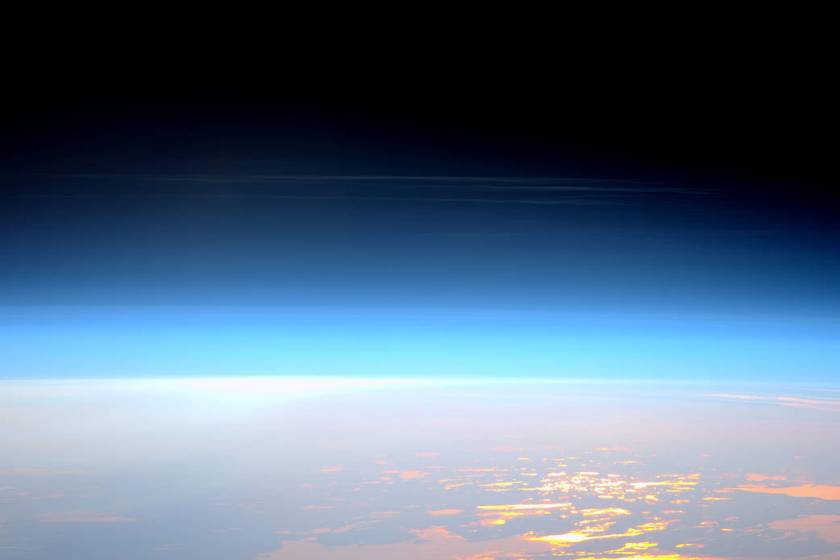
(264, 274)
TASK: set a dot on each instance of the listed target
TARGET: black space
(763, 118)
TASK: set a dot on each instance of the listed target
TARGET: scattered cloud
(819, 491)
(444, 512)
(826, 527)
(758, 477)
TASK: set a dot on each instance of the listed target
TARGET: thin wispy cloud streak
(428, 179)
(240, 196)
(560, 184)
(823, 404)
(537, 191)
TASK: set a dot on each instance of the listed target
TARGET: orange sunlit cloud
(408, 475)
(597, 532)
(826, 527)
(444, 512)
(526, 507)
(558, 489)
(431, 543)
(411, 475)
(758, 477)
(819, 491)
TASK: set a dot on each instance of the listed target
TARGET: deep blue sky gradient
(680, 222)
(120, 274)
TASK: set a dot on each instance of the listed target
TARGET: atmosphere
(632, 274)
